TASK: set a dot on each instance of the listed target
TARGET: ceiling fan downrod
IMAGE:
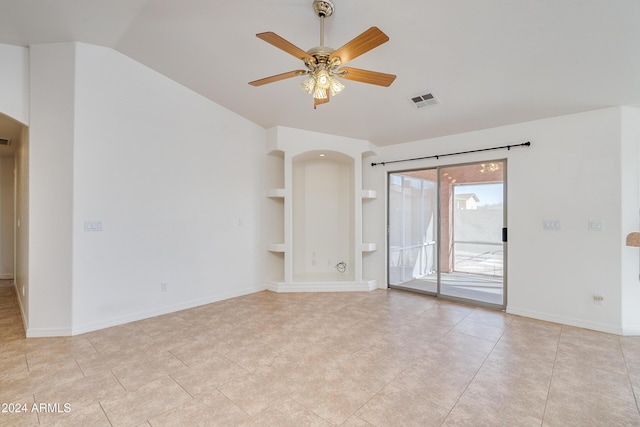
(324, 9)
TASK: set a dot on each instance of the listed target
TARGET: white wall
(6, 217)
(630, 214)
(177, 182)
(14, 82)
(570, 173)
(21, 273)
(50, 167)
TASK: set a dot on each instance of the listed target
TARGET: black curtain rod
(508, 147)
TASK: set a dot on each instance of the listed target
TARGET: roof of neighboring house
(467, 196)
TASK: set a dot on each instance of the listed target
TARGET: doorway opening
(447, 232)
(7, 220)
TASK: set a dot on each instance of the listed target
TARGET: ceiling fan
(322, 62)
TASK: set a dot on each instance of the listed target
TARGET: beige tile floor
(383, 358)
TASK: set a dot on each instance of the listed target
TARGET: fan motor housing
(321, 52)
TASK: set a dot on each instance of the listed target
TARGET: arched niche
(323, 216)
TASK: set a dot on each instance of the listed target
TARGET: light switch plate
(551, 224)
(595, 225)
(93, 225)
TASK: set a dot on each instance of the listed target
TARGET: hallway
(11, 327)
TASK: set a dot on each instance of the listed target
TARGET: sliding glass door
(413, 201)
(446, 231)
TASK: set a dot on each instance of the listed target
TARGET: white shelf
(369, 194)
(276, 247)
(368, 247)
(329, 277)
(276, 193)
(322, 286)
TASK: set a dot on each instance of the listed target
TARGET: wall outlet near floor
(598, 299)
(163, 287)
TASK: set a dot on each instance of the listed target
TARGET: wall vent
(425, 100)
(5, 141)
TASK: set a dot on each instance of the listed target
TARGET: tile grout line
(626, 365)
(475, 374)
(105, 412)
(553, 369)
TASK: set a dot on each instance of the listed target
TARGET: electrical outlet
(598, 299)
(163, 287)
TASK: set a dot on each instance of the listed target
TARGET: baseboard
(284, 287)
(633, 331)
(569, 321)
(19, 297)
(81, 329)
(47, 332)
(7, 276)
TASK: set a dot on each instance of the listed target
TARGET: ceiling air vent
(426, 100)
(5, 141)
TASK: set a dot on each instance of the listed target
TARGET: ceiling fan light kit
(322, 62)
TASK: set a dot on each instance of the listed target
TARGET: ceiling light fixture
(322, 81)
(321, 77)
(322, 69)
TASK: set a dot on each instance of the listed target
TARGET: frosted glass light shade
(320, 83)
(308, 84)
(335, 87)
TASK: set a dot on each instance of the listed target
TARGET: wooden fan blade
(280, 43)
(366, 76)
(277, 77)
(363, 43)
(317, 101)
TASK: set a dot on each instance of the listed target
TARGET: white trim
(19, 297)
(48, 332)
(569, 321)
(633, 331)
(81, 329)
(364, 286)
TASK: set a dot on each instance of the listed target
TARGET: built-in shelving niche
(314, 212)
(274, 209)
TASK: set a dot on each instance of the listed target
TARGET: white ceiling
(490, 62)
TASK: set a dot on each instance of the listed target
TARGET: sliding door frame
(439, 230)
